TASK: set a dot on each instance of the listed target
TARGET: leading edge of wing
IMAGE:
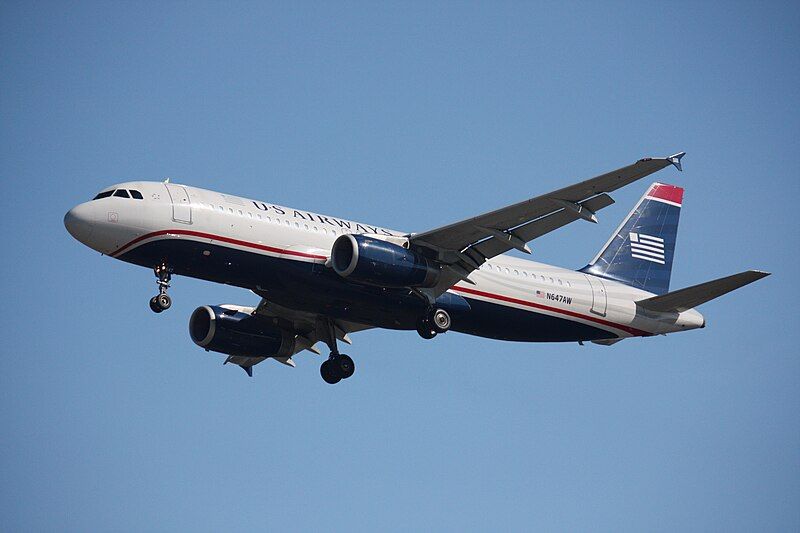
(459, 235)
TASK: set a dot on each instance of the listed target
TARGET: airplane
(322, 278)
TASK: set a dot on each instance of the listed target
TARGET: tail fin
(640, 252)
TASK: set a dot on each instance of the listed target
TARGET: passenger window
(221, 208)
(559, 281)
(136, 194)
(121, 193)
(516, 272)
(104, 194)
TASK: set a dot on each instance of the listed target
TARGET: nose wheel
(435, 321)
(162, 301)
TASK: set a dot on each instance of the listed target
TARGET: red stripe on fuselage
(509, 299)
(219, 238)
(500, 297)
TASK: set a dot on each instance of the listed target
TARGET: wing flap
(536, 228)
(307, 326)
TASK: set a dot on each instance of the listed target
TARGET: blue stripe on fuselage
(311, 287)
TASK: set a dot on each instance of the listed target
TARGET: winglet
(676, 160)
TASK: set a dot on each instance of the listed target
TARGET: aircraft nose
(79, 222)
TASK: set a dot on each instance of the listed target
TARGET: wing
(309, 328)
(463, 246)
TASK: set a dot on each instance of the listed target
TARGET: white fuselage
(116, 226)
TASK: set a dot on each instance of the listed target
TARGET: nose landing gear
(162, 301)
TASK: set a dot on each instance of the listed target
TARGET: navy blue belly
(313, 288)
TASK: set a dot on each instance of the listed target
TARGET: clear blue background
(410, 116)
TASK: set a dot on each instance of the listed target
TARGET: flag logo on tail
(647, 247)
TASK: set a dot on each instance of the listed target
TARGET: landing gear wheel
(154, 305)
(328, 372)
(338, 366)
(440, 319)
(344, 365)
(425, 329)
(164, 301)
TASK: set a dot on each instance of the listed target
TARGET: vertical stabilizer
(641, 250)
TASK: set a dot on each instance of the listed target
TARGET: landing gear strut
(162, 301)
(339, 366)
(435, 321)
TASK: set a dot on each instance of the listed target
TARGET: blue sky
(407, 115)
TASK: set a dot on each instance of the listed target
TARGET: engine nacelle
(233, 332)
(384, 264)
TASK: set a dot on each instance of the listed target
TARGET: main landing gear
(339, 366)
(433, 322)
(162, 301)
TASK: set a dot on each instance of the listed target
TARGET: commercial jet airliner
(321, 278)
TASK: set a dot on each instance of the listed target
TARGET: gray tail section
(683, 299)
(641, 250)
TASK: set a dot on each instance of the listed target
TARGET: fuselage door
(181, 206)
(599, 296)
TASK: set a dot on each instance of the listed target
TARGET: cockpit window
(136, 194)
(122, 193)
(104, 194)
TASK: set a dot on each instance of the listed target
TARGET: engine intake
(384, 264)
(233, 332)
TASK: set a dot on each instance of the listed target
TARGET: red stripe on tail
(670, 193)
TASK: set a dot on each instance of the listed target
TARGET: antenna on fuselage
(166, 180)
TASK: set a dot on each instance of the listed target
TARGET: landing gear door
(599, 296)
(181, 206)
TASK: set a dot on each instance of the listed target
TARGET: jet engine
(234, 332)
(376, 262)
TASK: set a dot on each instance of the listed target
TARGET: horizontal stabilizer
(683, 299)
